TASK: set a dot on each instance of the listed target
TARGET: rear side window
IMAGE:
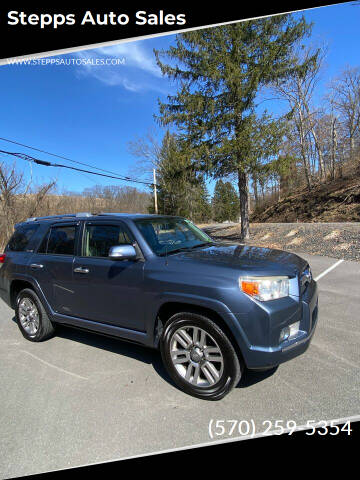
(21, 238)
(59, 241)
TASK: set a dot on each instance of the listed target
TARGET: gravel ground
(337, 240)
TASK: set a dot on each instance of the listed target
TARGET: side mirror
(122, 252)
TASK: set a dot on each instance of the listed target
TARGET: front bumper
(259, 357)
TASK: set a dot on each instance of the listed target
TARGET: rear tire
(199, 357)
(32, 318)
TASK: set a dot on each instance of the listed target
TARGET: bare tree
(298, 91)
(10, 184)
(327, 135)
(33, 200)
(18, 199)
(147, 149)
(345, 93)
(114, 198)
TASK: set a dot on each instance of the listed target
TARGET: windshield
(168, 235)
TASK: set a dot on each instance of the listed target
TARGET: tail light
(2, 257)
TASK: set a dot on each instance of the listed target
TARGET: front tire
(31, 317)
(199, 357)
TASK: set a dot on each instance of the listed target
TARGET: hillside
(336, 201)
(337, 240)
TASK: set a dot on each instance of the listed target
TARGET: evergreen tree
(220, 70)
(225, 202)
(181, 190)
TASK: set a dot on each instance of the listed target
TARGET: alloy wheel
(196, 356)
(29, 316)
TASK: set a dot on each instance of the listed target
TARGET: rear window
(21, 238)
(59, 241)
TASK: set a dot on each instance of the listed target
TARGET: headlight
(265, 288)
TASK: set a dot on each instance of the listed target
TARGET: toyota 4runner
(212, 308)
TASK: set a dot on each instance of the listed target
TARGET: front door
(108, 291)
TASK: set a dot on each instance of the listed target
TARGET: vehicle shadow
(146, 355)
(251, 377)
(143, 354)
(132, 350)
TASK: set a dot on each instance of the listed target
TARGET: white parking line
(54, 366)
(328, 270)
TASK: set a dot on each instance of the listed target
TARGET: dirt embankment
(336, 201)
(338, 240)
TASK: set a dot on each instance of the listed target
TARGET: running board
(104, 328)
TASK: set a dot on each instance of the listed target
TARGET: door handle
(36, 266)
(81, 270)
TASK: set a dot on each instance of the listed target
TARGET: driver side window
(98, 239)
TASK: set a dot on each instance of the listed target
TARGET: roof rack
(120, 213)
(67, 215)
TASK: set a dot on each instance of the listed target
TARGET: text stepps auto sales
(55, 20)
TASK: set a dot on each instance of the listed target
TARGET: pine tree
(181, 190)
(225, 202)
(220, 71)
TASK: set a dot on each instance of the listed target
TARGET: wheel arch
(170, 308)
(15, 288)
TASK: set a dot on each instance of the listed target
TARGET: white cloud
(135, 56)
(138, 71)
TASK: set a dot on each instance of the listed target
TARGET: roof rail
(49, 217)
(67, 215)
(111, 213)
(119, 213)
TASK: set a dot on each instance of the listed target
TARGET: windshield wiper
(202, 245)
(186, 249)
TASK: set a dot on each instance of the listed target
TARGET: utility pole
(155, 192)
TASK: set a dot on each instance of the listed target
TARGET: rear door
(105, 290)
(52, 265)
(17, 254)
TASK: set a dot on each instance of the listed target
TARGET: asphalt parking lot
(80, 398)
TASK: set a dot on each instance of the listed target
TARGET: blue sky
(90, 113)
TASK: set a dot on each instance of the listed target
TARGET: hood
(248, 259)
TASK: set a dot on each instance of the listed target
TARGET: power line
(118, 175)
(29, 158)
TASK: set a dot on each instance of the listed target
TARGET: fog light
(284, 334)
(289, 332)
(294, 329)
